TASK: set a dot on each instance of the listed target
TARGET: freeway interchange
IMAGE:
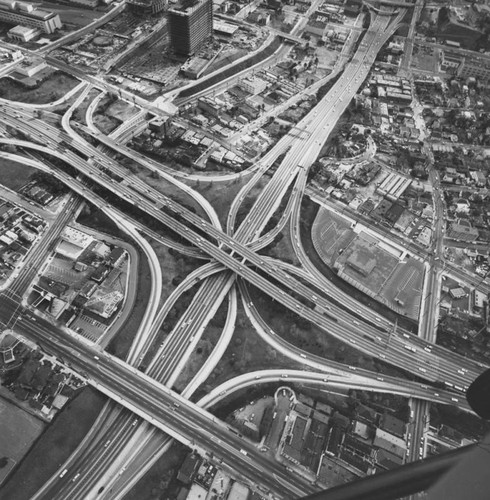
(236, 251)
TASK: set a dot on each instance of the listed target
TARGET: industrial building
(190, 25)
(72, 243)
(393, 186)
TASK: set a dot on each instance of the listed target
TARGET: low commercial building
(393, 425)
(117, 256)
(393, 186)
(457, 293)
(211, 106)
(195, 67)
(23, 34)
(189, 467)
(91, 4)
(462, 232)
(253, 84)
(294, 442)
(390, 443)
(101, 249)
(223, 28)
(450, 62)
(362, 262)
(100, 273)
(30, 67)
(388, 460)
(479, 299)
(73, 243)
(261, 18)
(88, 289)
(316, 27)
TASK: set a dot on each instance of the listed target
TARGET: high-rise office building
(190, 25)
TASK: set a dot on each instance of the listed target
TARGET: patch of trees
(55, 186)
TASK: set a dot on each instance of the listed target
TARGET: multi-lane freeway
(235, 250)
(162, 407)
(433, 371)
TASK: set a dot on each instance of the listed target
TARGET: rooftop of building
(187, 6)
(22, 30)
(393, 425)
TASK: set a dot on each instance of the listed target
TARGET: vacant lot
(222, 194)
(52, 89)
(121, 110)
(155, 483)
(14, 175)
(18, 430)
(57, 443)
(245, 353)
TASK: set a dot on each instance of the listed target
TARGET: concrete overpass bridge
(288, 36)
(377, 4)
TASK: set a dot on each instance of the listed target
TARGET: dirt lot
(113, 115)
(105, 124)
(121, 110)
(425, 58)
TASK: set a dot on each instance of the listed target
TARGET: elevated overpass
(288, 36)
(391, 3)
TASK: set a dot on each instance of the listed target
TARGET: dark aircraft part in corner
(478, 395)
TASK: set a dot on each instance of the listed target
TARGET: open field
(54, 446)
(18, 430)
(14, 175)
(222, 194)
(246, 352)
(155, 483)
(56, 86)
